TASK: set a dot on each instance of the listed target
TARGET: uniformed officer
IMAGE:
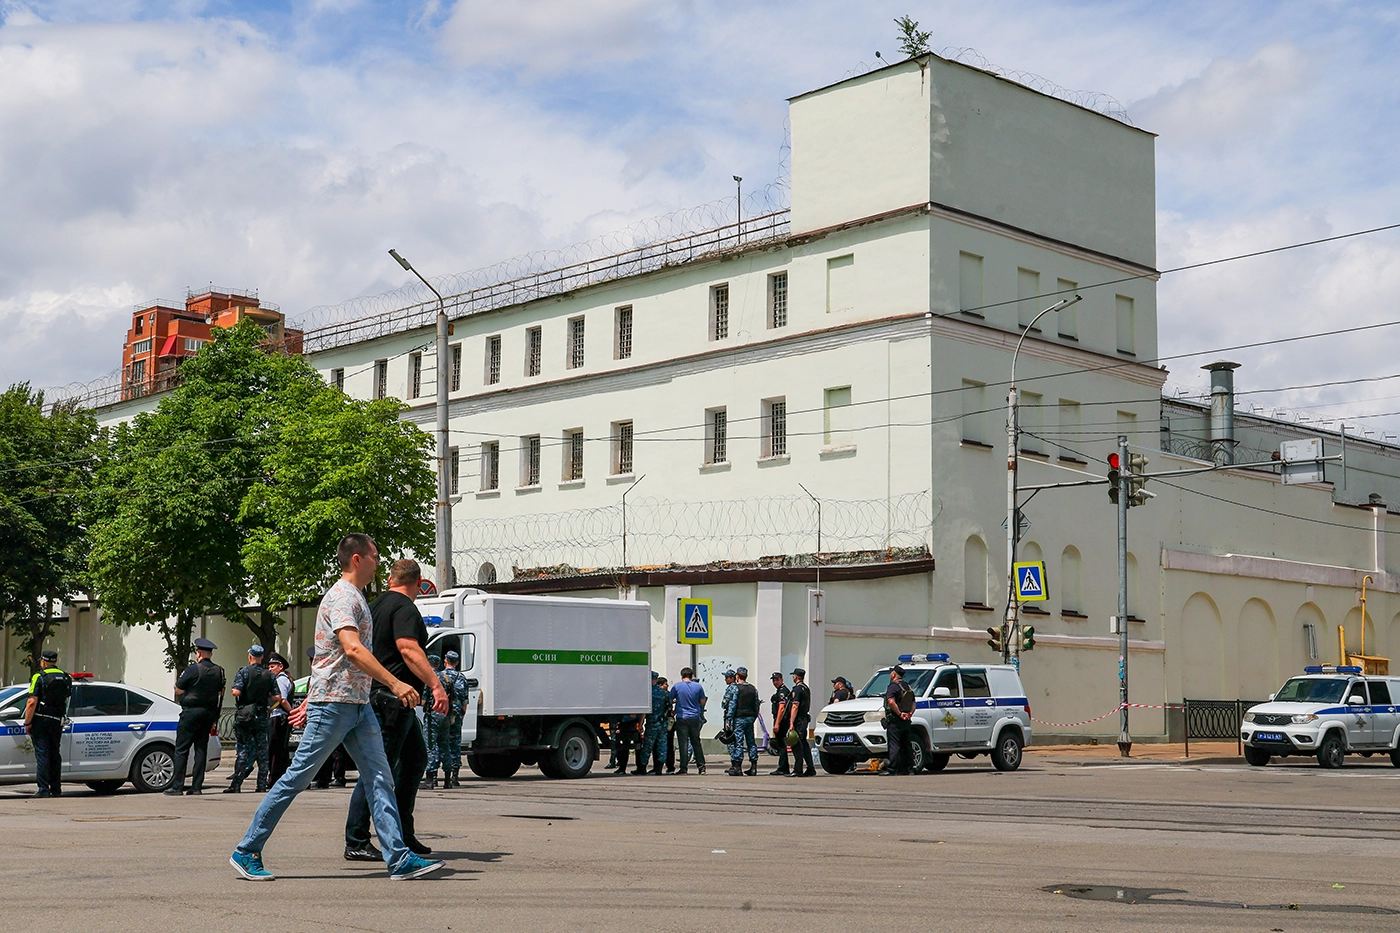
(200, 691)
(799, 718)
(899, 733)
(654, 739)
(49, 690)
(841, 690)
(450, 739)
(253, 690)
(782, 696)
(744, 715)
(279, 728)
(726, 705)
(432, 726)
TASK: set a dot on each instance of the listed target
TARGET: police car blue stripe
(122, 726)
(972, 702)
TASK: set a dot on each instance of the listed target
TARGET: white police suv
(1328, 712)
(113, 733)
(961, 709)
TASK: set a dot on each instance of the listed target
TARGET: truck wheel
(1332, 752)
(104, 788)
(836, 764)
(153, 769)
(1006, 755)
(493, 766)
(936, 762)
(1395, 757)
(1256, 756)
(546, 764)
(574, 756)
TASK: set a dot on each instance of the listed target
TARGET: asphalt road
(1060, 845)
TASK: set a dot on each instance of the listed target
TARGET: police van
(1329, 712)
(960, 709)
(113, 733)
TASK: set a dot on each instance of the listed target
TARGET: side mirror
(942, 692)
(11, 712)
(1356, 700)
(1271, 697)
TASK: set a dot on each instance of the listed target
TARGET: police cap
(729, 672)
(655, 676)
(742, 670)
(452, 656)
(776, 675)
(311, 653)
(897, 670)
(50, 654)
(275, 658)
(435, 658)
(256, 651)
(798, 672)
(204, 644)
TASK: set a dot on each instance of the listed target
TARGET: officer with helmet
(49, 690)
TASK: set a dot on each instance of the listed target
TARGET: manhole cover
(1121, 894)
(535, 816)
(121, 819)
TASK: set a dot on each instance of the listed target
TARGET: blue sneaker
(250, 866)
(415, 866)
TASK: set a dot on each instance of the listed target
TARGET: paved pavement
(970, 848)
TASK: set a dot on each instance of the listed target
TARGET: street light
(1011, 627)
(442, 550)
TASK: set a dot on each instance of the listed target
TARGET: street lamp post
(442, 550)
(1011, 627)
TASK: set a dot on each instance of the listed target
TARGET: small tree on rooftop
(913, 41)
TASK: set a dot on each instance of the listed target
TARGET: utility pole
(1125, 739)
(442, 550)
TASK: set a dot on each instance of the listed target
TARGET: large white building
(853, 352)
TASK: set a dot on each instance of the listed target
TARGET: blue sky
(146, 147)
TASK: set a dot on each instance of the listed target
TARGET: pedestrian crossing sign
(693, 622)
(1030, 581)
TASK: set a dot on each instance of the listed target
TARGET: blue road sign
(1030, 581)
(693, 622)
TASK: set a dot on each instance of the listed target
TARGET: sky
(150, 147)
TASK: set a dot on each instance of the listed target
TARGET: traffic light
(995, 641)
(1113, 478)
(1137, 466)
(1028, 638)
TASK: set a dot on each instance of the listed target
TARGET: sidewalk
(1202, 753)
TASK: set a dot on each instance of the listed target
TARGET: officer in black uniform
(782, 696)
(43, 720)
(200, 691)
(801, 718)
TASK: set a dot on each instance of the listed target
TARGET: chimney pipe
(1222, 411)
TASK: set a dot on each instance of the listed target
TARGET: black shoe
(779, 771)
(810, 774)
(194, 792)
(320, 786)
(700, 770)
(417, 848)
(173, 791)
(681, 771)
(233, 789)
(640, 771)
(40, 794)
(339, 782)
(752, 770)
(365, 853)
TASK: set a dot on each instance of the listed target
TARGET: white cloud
(546, 36)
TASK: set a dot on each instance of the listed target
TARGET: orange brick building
(163, 334)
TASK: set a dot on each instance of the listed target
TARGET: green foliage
(913, 41)
(46, 465)
(237, 487)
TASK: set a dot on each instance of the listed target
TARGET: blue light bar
(1349, 669)
(937, 657)
(906, 658)
(432, 621)
(1313, 669)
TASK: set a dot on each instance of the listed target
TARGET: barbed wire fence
(663, 532)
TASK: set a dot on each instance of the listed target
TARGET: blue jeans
(743, 737)
(328, 725)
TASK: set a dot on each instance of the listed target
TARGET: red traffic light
(1113, 461)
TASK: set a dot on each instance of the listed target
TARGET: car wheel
(1256, 756)
(836, 764)
(493, 766)
(574, 756)
(1332, 752)
(934, 762)
(1006, 755)
(917, 755)
(153, 769)
(104, 788)
(1395, 757)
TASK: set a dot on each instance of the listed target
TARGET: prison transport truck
(546, 675)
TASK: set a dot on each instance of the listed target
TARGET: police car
(1328, 712)
(961, 709)
(113, 733)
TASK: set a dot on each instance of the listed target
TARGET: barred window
(623, 336)
(490, 465)
(493, 360)
(454, 471)
(719, 312)
(415, 383)
(534, 340)
(456, 368)
(775, 427)
(777, 299)
(381, 378)
(575, 342)
(530, 460)
(622, 447)
(717, 435)
(338, 379)
(573, 455)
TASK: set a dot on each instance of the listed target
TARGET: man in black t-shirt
(399, 639)
(899, 733)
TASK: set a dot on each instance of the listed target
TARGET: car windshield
(9, 693)
(1312, 690)
(918, 680)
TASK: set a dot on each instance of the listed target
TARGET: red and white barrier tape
(1115, 709)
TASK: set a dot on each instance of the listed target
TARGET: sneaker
(415, 867)
(364, 853)
(249, 866)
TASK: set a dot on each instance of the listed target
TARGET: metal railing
(1216, 719)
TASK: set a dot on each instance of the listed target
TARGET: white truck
(546, 675)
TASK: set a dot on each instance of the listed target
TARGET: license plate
(1268, 736)
(840, 739)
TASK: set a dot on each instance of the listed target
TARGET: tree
(913, 41)
(235, 490)
(46, 466)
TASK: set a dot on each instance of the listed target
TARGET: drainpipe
(1222, 411)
